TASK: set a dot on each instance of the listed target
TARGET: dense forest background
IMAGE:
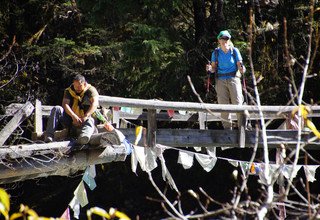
(145, 49)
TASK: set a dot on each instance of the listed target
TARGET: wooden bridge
(39, 159)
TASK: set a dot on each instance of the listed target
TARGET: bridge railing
(150, 110)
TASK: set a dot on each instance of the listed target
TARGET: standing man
(80, 100)
(226, 64)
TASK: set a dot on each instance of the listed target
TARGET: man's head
(79, 83)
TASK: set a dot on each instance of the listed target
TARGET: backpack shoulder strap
(233, 54)
(216, 54)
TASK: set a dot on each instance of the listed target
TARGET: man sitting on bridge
(80, 101)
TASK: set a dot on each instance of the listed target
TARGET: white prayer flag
(287, 170)
(151, 158)
(310, 171)
(166, 174)
(206, 161)
(186, 159)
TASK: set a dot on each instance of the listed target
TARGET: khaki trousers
(229, 91)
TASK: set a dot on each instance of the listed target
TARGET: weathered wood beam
(224, 138)
(41, 166)
(190, 116)
(107, 101)
(61, 147)
(11, 109)
(152, 128)
(28, 150)
(19, 116)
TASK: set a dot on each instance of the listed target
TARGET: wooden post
(38, 126)
(202, 120)
(152, 127)
(242, 130)
(17, 119)
(116, 116)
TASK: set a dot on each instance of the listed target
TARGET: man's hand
(84, 118)
(76, 121)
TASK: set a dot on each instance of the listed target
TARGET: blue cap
(224, 34)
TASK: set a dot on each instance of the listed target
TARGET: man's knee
(57, 110)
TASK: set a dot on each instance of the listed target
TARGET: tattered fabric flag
(127, 110)
(138, 153)
(310, 171)
(92, 171)
(166, 174)
(128, 146)
(79, 199)
(211, 151)
(206, 161)
(186, 159)
(88, 177)
(151, 157)
(272, 172)
(123, 123)
(138, 134)
(170, 113)
(75, 206)
(244, 167)
(81, 194)
(66, 215)
(287, 170)
(159, 149)
(233, 163)
(255, 169)
(134, 160)
(137, 111)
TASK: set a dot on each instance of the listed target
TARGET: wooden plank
(194, 116)
(17, 119)
(163, 116)
(224, 138)
(152, 127)
(106, 101)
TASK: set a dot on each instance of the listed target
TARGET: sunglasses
(224, 38)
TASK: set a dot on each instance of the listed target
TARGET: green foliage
(149, 59)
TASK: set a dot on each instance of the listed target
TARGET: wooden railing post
(116, 116)
(202, 120)
(152, 127)
(242, 130)
(38, 122)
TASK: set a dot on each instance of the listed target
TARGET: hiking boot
(48, 139)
